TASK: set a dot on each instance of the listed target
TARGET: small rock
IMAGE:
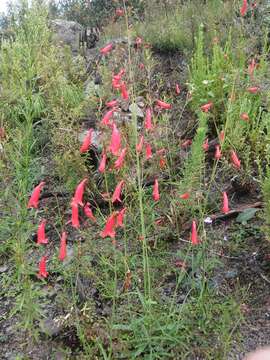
(66, 33)
(60, 355)
(124, 105)
(91, 87)
(50, 327)
(232, 274)
(141, 104)
(3, 268)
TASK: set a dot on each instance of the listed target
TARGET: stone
(50, 327)
(3, 268)
(231, 274)
(67, 33)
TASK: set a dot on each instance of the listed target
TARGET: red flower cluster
(116, 148)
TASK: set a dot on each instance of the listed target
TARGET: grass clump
(173, 26)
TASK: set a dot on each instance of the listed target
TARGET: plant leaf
(246, 215)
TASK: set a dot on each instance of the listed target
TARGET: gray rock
(66, 33)
(92, 88)
(51, 327)
(231, 274)
(141, 104)
(3, 268)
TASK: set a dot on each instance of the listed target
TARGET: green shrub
(172, 27)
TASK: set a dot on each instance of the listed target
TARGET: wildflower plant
(149, 184)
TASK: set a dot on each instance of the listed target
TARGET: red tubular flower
(115, 144)
(88, 212)
(63, 247)
(121, 72)
(106, 49)
(34, 199)
(194, 236)
(102, 164)
(205, 145)
(116, 82)
(222, 136)
(163, 105)
(139, 146)
(117, 192)
(155, 194)
(185, 196)
(244, 116)
(120, 161)
(42, 268)
(120, 218)
(141, 66)
(2, 133)
(234, 158)
(252, 67)
(253, 89)
(124, 92)
(111, 104)
(75, 214)
(218, 152)
(109, 229)
(78, 196)
(148, 119)
(186, 143)
(86, 142)
(41, 237)
(161, 151)
(206, 107)
(177, 89)
(107, 117)
(148, 151)
(119, 12)
(225, 209)
(162, 163)
(138, 41)
(243, 9)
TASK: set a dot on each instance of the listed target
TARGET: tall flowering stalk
(139, 182)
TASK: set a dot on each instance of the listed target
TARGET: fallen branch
(235, 212)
